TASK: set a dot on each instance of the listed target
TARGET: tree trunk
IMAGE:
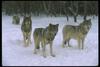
(75, 14)
(84, 17)
(66, 14)
(46, 7)
(67, 17)
(85, 12)
(75, 18)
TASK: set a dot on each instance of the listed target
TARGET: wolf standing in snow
(16, 20)
(26, 28)
(77, 32)
(45, 36)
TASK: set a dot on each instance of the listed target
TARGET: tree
(51, 8)
(85, 10)
(74, 9)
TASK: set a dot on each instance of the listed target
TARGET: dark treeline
(51, 8)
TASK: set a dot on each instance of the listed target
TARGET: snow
(15, 54)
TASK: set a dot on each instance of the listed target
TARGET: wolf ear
(29, 16)
(50, 24)
(57, 24)
(89, 20)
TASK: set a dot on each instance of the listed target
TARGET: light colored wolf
(26, 28)
(76, 32)
(45, 36)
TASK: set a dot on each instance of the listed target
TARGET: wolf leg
(27, 41)
(36, 46)
(24, 38)
(79, 43)
(69, 43)
(63, 44)
(43, 49)
(44, 54)
(51, 50)
(30, 38)
(35, 52)
(82, 43)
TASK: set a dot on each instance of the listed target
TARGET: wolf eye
(55, 33)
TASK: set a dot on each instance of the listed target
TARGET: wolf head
(53, 28)
(27, 20)
(27, 24)
(52, 31)
(86, 25)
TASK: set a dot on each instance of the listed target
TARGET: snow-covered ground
(15, 54)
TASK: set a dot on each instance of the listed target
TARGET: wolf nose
(26, 37)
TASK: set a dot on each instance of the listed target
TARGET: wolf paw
(82, 48)
(63, 46)
(44, 56)
(25, 45)
(69, 46)
(35, 52)
(53, 55)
